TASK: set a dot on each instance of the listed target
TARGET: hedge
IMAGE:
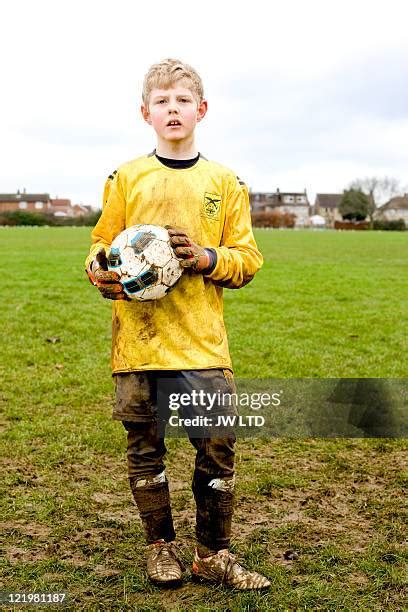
(397, 225)
(22, 217)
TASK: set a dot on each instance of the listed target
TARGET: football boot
(164, 564)
(222, 568)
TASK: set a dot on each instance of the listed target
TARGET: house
(327, 205)
(61, 207)
(82, 209)
(295, 203)
(396, 208)
(31, 202)
(41, 203)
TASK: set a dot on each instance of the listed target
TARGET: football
(145, 262)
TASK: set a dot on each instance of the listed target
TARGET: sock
(204, 551)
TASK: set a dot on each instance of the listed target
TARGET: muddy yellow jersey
(184, 330)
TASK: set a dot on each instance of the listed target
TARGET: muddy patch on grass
(95, 535)
(33, 530)
(22, 555)
(75, 559)
(121, 517)
(250, 515)
(106, 572)
(358, 579)
(317, 512)
(172, 599)
(306, 519)
(52, 550)
(110, 499)
(177, 484)
(318, 500)
(185, 520)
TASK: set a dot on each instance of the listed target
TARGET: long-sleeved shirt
(184, 330)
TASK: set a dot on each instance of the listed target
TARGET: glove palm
(105, 280)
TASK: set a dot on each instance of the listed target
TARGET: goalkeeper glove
(189, 254)
(106, 281)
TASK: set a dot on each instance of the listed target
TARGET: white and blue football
(146, 264)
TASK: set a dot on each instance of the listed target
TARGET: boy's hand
(189, 254)
(106, 281)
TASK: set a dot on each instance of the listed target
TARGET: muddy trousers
(213, 484)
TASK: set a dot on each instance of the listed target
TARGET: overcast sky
(301, 94)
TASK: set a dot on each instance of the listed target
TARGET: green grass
(324, 305)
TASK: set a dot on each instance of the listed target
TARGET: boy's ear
(145, 114)
(202, 110)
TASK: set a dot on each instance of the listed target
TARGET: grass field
(324, 305)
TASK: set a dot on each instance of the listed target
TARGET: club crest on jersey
(212, 205)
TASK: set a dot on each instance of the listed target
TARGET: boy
(182, 337)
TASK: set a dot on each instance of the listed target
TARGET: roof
(291, 193)
(61, 202)
(276, 199)
(328, 200)
(397, 203)
(278, 193)
(86, 207)
(24, 197)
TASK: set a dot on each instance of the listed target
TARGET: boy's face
(174, 113)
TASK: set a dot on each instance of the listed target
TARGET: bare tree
(378, 189)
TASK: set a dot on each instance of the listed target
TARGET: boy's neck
(176, 150)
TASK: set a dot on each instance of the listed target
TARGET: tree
(354, 205)
(378, 189)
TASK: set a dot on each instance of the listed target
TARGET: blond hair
(167, 73)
